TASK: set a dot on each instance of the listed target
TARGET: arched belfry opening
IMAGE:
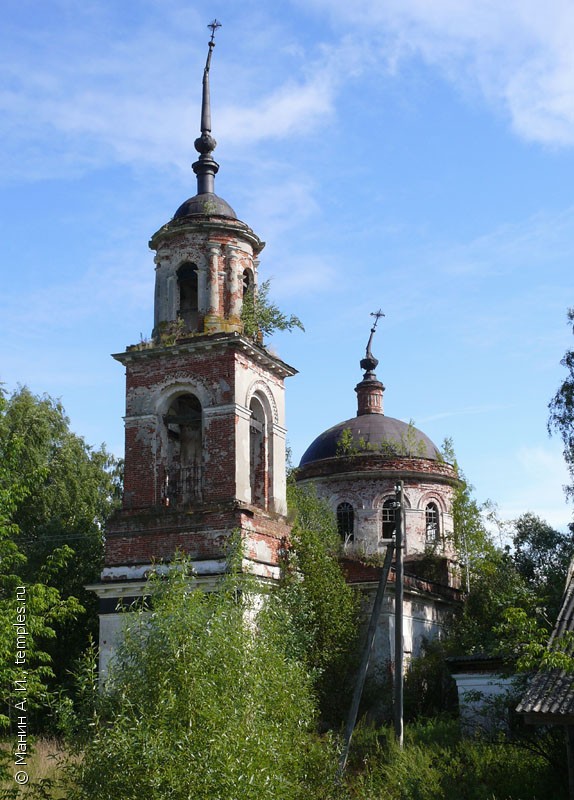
(247, 281)
(188, 308)
(183, 422)
(258, 454)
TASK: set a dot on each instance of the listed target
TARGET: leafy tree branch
(262, 317)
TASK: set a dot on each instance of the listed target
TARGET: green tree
(323, 608)
(38, 606)
(515, 591)
(490, 578)
(262, 317)
(61, 492)
(472, 538)
(561, 418)
(207, 702)
(542, 556)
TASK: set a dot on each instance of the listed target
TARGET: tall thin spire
(206, 167)
(370, 390)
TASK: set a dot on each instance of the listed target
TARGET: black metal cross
(214, 26)
(377, 315)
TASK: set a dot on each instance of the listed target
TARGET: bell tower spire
(206, 167)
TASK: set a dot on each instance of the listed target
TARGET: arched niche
(184, 463)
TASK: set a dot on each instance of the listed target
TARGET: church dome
(206, 203)
(374, 433)
(371, 432)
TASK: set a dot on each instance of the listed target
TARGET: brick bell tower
(205, 421)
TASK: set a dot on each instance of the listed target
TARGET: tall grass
(437, 764)
(44, 766)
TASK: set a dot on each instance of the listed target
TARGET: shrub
(206, 702)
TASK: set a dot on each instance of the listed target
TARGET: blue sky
(417, 157)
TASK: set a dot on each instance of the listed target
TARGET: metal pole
(363, 669)
(399, 579)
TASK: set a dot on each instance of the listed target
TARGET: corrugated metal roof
(550, 694)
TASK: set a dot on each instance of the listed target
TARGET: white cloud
(293, 108)
(74, 105)
(518, 53)
(538, 475)
(132, 102)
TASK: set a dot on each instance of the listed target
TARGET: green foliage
(542, 556)
(495, 587)
(538, 565)
(429, 688)
(323, 609)
(472, 540)
(41, 605)
(561, 417)
(261, 317)
(524, 641)
(55, 493)
(346, 443)
(407, 445)
(169, 333)
(207, 701)
(513, 593)
(45, 611)
(437, 764)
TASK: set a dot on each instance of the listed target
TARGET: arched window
(432, 522)
(184, 450)
(188, 295)
(258, 467)
(388, 518)
(346, 522)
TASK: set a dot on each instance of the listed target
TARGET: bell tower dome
(205, 409)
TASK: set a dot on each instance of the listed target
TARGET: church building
(355, 466)
(205, 438)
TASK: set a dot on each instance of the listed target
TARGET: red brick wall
(138, 538)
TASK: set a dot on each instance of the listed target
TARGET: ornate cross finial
(369, 363)
(214, 26)
(377, 315)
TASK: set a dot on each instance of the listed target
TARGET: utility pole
(364, 668)
(394, 546)
(399, 591)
